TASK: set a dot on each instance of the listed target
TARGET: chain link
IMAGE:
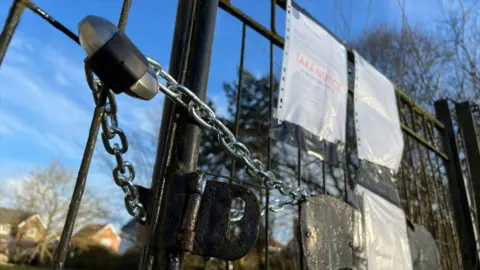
(206, 118)
(123, 172)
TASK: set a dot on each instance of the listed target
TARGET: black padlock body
(119, 63)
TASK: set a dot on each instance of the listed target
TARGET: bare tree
(460, 32)
(413, 59)
(47, 191)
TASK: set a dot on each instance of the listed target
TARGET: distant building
(20, 233)
(97, 234)
(20, 225)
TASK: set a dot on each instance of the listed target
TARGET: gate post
(472, 148)
(13, 19)
(456, 184)
(179, 138)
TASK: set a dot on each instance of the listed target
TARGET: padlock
(117, 62)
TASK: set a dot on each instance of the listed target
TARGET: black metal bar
(11, 23)
(63, 246)
(186, 142)
(417, 188)
(122, 21)
(412, 161)
(448, 212)
(429, 131)
(324, 178)
(469, 133)
(427, 187)
(407, 195)
(238, 109)
(422, 140)
(345, 183)
(269, 146)
(299, 183)
(178, 66)
(457, 189)
(237, 13)
(435, 172)
(42, 13)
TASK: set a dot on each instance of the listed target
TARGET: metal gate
(434, 189)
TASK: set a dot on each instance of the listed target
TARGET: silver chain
(124, 172)
(206, 118)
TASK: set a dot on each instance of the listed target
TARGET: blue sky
(45, 103)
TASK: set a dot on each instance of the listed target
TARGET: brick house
(21, 225)
(20, 233)
(97, 234)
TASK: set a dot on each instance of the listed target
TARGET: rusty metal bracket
(199, 223)
(212, 238)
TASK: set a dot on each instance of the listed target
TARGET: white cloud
(46, 105)
(9, 124)
(35, 109)
(70, 69)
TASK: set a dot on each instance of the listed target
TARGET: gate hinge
(186, 235)
(199, 223)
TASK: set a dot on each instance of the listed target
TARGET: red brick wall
(109, 234)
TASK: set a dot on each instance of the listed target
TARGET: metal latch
(199, 222)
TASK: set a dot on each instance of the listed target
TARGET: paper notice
(379, 134)
(313, 86)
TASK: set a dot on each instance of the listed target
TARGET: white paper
(379, 135)
(386, 239)
(313, 86)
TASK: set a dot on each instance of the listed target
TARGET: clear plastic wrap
(386, 240)
(311, 110)
(379, 180)
(379, 134)
(424, 249)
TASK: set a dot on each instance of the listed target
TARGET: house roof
(13, 216)
(275, 244)
(89, 230)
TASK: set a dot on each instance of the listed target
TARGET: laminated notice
(312, 101)
(377, 123)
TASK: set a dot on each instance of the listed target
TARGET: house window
(32, 232)
(106, 242)
(5, 228)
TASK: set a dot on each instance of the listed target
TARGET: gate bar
(442, 214)
(472, 149)
(62, 249)
(238, 108)
(195, 56)
(177, 68)
(269, 139)
(52, 21)
(468, 247)
(13, 19)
